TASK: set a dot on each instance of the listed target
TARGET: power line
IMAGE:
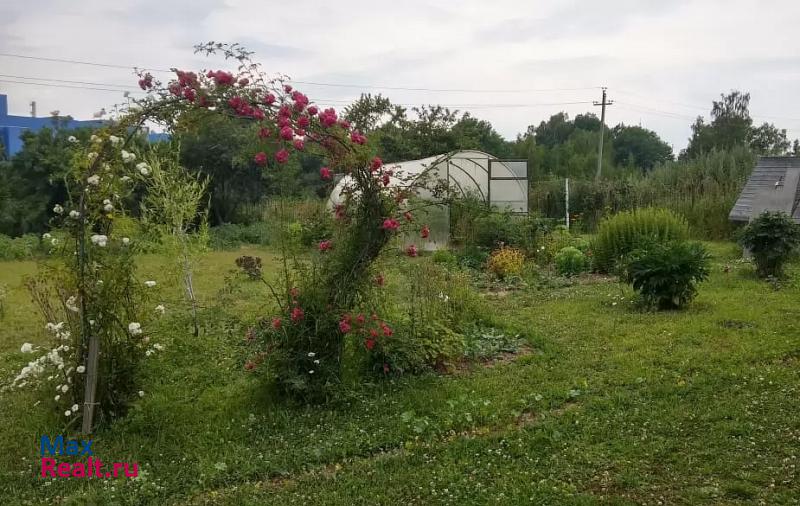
(68, 86)
(704, 108)
(79, 62)
(65, 81)
(443, 90)
(317, 83)
(319, 101)
(646, 109)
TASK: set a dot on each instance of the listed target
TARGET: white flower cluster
(135, 328)
(143, 168)
(58, 209)
(127, 156)
(156, 347)
(72, 139)
(57, 329)
(53, 358)
(74, 214)
(99, 239)
(107, 206)
(115, 141)
(149, 284)
(93, 180)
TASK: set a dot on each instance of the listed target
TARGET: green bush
(571, 261)
(444, 257)
(666, 275)
(429, 312)
(553, 242)
(231, 235)
(472, 224)
(772, 238)
(628, 231)
(21, 248)
(473, 257)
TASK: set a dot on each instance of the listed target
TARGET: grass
(614, 406)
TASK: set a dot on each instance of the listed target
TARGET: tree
(472, 133)
(588, 121)
(769, 140)
(367, 113)
(555, 130)
(638, 147)
(731, 125)
(36, 176)
(435, 130)
(217, 148)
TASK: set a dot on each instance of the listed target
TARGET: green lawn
(613, 406)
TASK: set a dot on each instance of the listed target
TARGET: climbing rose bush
(302, 345)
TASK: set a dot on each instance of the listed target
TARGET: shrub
(506, 262)
(571, 261)
(473, 257)
(772, 238)
(666, 275)
(628, 231)
(316, 221)
(553, 242)
(429, 313)
(231, 236)
(20, 248)
(444, 257)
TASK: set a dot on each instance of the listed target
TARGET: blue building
(12, 127)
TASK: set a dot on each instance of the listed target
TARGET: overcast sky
(663, 61)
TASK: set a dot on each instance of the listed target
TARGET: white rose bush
(88, 292)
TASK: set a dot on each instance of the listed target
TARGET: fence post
(566, 201)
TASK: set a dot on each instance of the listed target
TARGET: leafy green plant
(628, 231)
(772, 238)
(666, 275)
(24, 247)
(429, 311)
(485, 343)
(571, 261)
(444, 257)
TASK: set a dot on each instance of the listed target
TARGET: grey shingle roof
(761, 193)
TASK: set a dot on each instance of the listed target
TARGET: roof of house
(774, 185)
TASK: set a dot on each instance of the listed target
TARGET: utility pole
(602, 103)
(33, 109)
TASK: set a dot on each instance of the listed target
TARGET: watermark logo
(92, 467)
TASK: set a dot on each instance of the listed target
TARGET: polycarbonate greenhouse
(499, 183)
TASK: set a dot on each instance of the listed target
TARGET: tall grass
(701, 190)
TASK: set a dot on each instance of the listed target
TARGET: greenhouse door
(508, 185)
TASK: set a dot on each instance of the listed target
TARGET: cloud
(675, 57)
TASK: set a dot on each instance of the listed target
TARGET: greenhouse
(502, 184)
